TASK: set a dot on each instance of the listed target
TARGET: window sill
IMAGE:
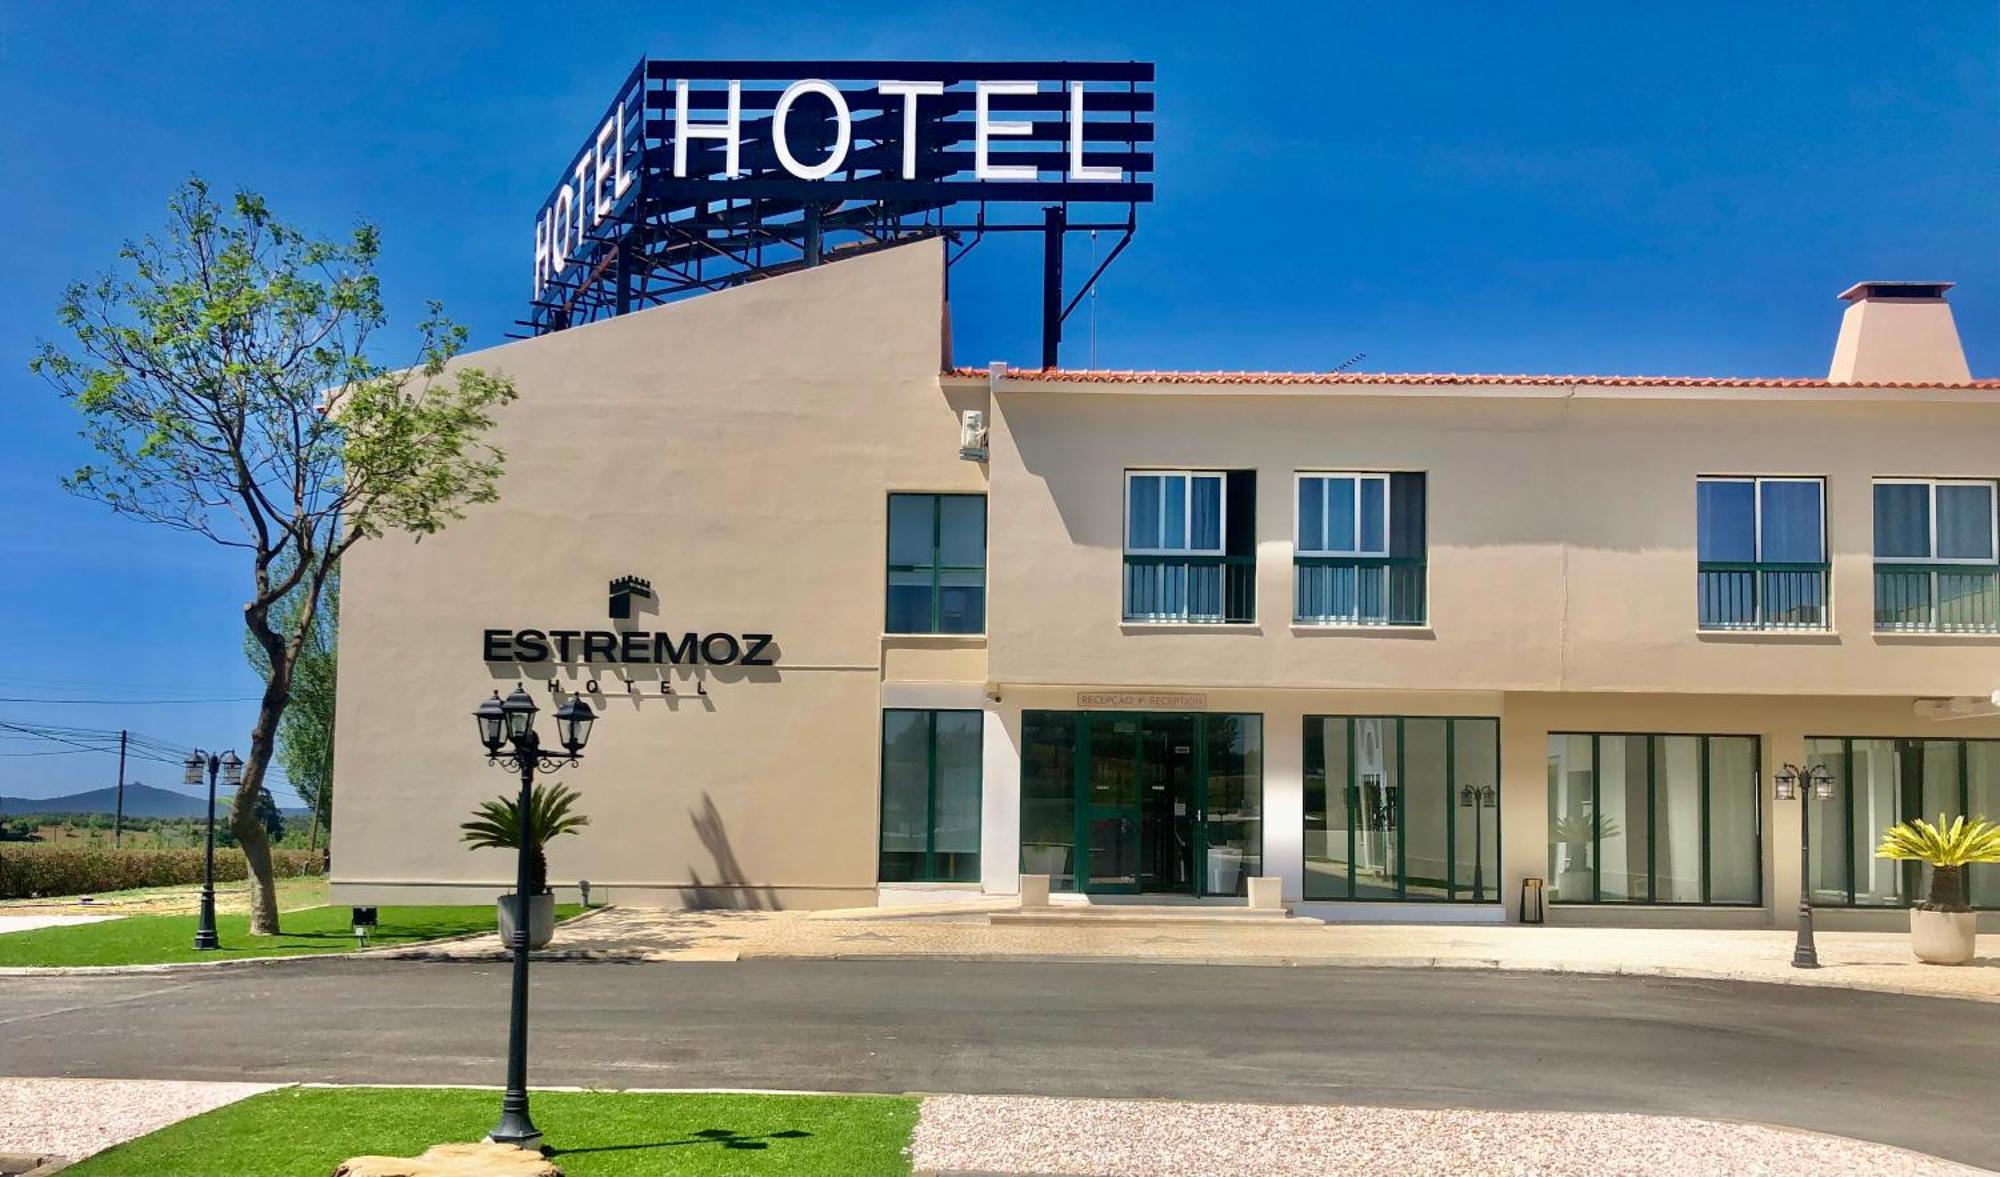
(1227, 627)
(1423, 633)
(1931, 637)
(1803, 637)
(934, 639)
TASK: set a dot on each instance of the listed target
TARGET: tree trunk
(1947, 889)
(243, 820)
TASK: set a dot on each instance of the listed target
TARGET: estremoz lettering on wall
(625, 596)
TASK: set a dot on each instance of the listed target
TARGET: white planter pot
(1574, 886)
(541, 920)
(1943, 937)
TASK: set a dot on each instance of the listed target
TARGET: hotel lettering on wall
(685, 142)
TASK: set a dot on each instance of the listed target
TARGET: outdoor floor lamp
(232, 775)
(509, 724)
(1804, 784)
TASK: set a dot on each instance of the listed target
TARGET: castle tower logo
(624, 591)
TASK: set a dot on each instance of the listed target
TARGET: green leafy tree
(224, 376)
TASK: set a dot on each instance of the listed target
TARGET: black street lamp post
(512, 722)
(231, 768)
(1804, 784)
(1479, 799)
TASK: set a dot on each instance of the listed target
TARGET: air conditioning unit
(972, 435)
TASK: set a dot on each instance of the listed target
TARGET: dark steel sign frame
(707, 174)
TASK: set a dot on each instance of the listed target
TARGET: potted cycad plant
(496, 825)
(1576, 833)
(1943, 928)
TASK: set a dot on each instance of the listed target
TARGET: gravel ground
(76, 1117)
(1139, 1138)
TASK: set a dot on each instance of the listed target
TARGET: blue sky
(1581, 187)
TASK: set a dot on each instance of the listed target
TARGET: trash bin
(1531, 900)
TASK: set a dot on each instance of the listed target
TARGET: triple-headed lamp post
(509, 724)
(232, 775)
(1804, 784)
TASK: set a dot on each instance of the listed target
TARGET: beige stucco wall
(1561, 533)
(736, 450)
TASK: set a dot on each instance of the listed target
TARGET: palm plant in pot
(1943, 928)
(496, 825)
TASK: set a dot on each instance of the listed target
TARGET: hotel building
(864, 627)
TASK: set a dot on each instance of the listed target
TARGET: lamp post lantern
(1478, 799)
(231, 769)
(507, 730)
(1804, 784)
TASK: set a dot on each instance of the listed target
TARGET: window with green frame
(930, 796)
(937, 564)
(1656, 819)
(1879, 782)
(1358, 549)
(1402, 808)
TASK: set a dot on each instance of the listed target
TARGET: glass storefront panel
(1735, 826)
(930, 796)
(905, 794)
(1826, 825)
(1329, 826)
(1669, 819)
(955, 813)
(1376, 869)
(1881, 782)
(1234, 840)
(1048, 797)
(1982, 799)
(1475, 763)
(1676, 820)
(1621, 805)
(1386, 810)
(1427, 802)
(1572, 818)
(1876, 804)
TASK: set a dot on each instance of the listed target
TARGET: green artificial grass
(165, 939)
(305, 1132)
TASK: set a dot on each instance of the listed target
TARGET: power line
(128, 702)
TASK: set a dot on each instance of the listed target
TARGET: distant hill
(140, 801)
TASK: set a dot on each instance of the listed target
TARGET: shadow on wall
(732, 888)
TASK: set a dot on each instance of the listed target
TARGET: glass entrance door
(1154, 802)
(1110, 812)
(1170, 803)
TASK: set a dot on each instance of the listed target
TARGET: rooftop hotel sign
(718, 157)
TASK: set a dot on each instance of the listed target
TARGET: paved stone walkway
(1859, 960)
(28, 923)
(1146, 1138)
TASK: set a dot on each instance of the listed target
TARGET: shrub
(29, 871)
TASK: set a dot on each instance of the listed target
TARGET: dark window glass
(930, 796)
(1965, 522)
(1794, 532)
(1903, 520)
(1726, 520)
(937, 564)
(1048, 796)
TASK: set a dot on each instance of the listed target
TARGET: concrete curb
(1575, 968)
(390, 952)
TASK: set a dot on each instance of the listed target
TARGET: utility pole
(118, 818)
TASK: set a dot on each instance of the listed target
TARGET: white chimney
(1898, 333)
